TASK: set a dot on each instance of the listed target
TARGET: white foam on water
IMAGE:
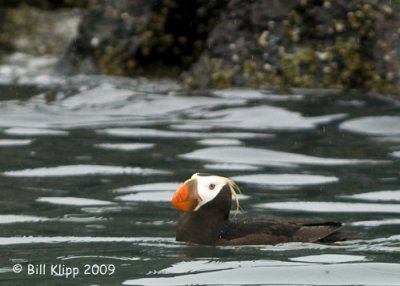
(351, 103)
(22, 116)
(239, 93)
(231, 167)
(125, 146)
(155, 133)
(267, 117)
(21, 131)
(373, 125)
(190, 126)
(205, 125)
(22, 68)
(15, 240)
(295, 246)
(154, 196)
(73, 201)
(103, 257)
(79, 219)
(5, 269)
(164, 186)
(174, 104)
(387, 138)
(255, 94)
(148, 133)
(107, 105)
(294, 273)
(329, 258)
(373, 223)
(395, 154)
(333, 207)
(81, 170)
(104, 105)
(106, 209)
(156, 222)
(285, 179)
(8, 219)
(240, 135)
(15, 142)
(284, 97)
(220, 142)
(198, 266)
(264, 157)
(102, 95)
(377, 196)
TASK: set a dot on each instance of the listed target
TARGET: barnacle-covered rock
(43, 27)
(219, 43)
(141, 37)
(309, 43)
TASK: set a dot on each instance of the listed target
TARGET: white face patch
(208, 187)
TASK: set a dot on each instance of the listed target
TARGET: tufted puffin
(206, 203)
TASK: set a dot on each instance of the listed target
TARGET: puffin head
(201, 189)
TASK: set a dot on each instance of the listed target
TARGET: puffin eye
(211, 186)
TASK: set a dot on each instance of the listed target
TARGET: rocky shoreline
(216, 44)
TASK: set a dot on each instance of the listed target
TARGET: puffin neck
(219, 208)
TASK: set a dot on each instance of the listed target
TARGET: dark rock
(46, 4)
(4, 43)
(314, 43)
(241, 38)
(221, 43)
(141, 37)
(26, 29)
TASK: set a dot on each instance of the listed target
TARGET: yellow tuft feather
(234, 190)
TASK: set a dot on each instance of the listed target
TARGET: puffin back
(324, 232)
(273, 232)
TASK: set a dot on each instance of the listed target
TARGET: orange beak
(185, 197)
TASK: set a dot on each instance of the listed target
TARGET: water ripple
(373, 125)
(282, 273)
(162, 186)
(7, 219)
(22, 131)
(82, 170)
(15, 240)
(377, 196)
(329, 258)
(332, 207)
(73, 201)
(265, 157)
(15, 142)
(285, 179)
(267, 118)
